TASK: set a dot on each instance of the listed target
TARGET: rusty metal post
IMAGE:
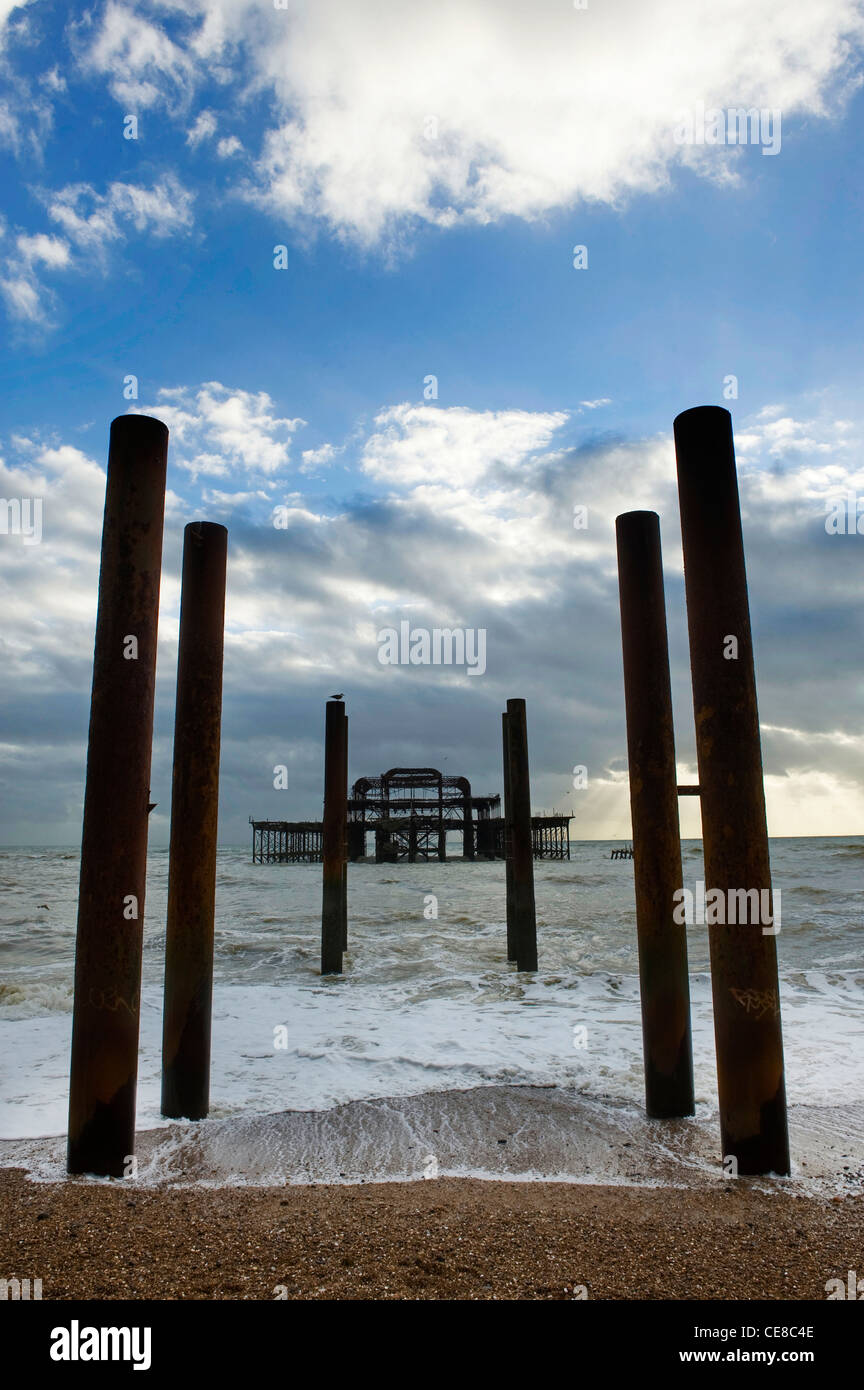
(745, 989)
(522, 849)
(345, 852)
(333, 839)
(186, 1020)
(508, 849)
(663, 980)
(104, 1060)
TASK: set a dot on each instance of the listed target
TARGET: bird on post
(337, 697)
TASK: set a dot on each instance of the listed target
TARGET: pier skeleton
(410, 810)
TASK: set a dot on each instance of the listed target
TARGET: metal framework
(286, 841)
(411, 810)
(550, 836)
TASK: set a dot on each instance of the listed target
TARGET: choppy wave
(28, 999)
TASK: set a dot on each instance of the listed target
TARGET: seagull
(337, 697)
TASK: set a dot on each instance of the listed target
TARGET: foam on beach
(514, 1133)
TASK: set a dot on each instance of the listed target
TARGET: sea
(431, 1055)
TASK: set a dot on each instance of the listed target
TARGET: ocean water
(431, 1054)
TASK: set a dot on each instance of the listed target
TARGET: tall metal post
(663, 979)
(333, 839)
(508, 850)
(524, 915)
(104, 1061)
(345, 848)
(747, 1028)
(186, 1021)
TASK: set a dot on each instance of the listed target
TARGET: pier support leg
(104, 1062)
(522, 854)
(663, 979)
(188, 1007)
(508, 841)
(333, 847)
(345, 849)
(747, 1029)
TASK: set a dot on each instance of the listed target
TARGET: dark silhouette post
(104, 1061)
(522, 850)
(186, 1023)
(663, 980)
(333, 839)
(508, 850)
(345, 849)
(747, 1027)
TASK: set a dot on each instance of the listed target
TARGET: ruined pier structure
(410, 811)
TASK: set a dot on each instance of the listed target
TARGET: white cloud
(475, 110)
(6, 9)
(469, 111)
(44, 250)
(318, 458)
(230, 145)
(216, 430)
(24, 300)
(53, 81)
(428, 444)
(59, 574)
(203, 128)
(145, 66)
(25, 115)
(27, 300)
(91, 221)
(775, 435)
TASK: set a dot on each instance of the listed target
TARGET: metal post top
(702, 417)
(637, 521)
(204, 529)
(139, 426)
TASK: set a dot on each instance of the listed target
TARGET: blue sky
(430, 173)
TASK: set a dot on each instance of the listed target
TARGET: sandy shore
(438, 1239)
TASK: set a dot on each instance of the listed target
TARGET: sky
(334, 246)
